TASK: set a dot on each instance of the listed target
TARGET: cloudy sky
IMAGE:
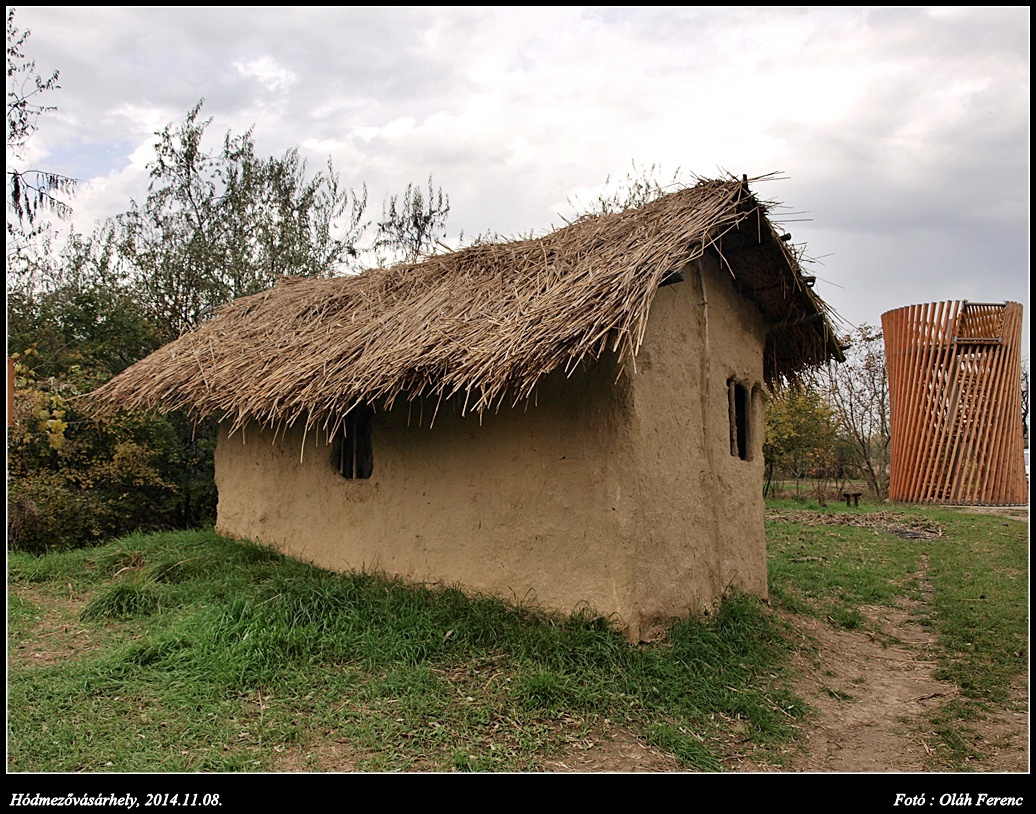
(902, 134)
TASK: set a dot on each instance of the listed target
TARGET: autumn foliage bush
(75, 481)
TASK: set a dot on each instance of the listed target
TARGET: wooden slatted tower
(954, 373)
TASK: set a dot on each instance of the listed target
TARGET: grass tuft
(689, 748)
(124, 600)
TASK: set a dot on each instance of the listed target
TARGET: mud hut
(573, 420)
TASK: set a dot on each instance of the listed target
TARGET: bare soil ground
(870, 701)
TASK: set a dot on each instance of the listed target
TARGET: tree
(411, 227)
(80, 313)
(220, 225)
(858, 392)
(73, 323)
(801, 438)
(29, 191)
(1025, 401)
(640, 186)
(74, 480)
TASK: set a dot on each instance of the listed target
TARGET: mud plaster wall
(699, 509)
(614, 490)
(529, 505)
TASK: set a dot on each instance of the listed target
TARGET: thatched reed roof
(484, 324)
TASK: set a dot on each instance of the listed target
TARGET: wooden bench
(853, 497)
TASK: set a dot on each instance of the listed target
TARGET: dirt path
(871, 700)
(870, 694)
(867, 697)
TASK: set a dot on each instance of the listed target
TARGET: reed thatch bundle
(483, 324)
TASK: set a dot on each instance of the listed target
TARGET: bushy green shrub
(74, 480)
(43, 514)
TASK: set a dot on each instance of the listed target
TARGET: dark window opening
(354, 452)
(740, 419)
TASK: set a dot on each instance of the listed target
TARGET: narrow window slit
(739, 405)
(354, 449)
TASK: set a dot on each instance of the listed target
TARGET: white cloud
(899, 127)
(265, 70)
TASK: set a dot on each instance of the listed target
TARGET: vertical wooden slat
(994, 417)
(954, 372)
(985, 391)
(930, 434)
(912, 335)
(933, 436)
(1009, 458)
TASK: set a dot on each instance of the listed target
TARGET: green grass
(188, 652)
(978, 603)
(980, 610)
(830, 571)
(980, 582)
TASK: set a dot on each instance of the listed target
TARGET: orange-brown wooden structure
(954, 373)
